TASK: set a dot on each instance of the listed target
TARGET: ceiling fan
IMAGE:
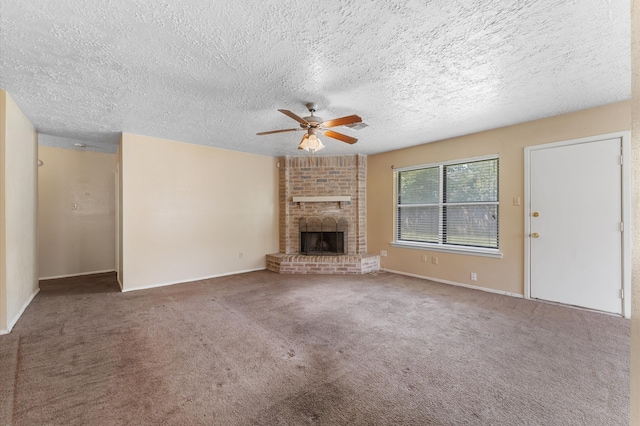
(315, 125)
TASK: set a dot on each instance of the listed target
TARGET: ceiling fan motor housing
(313, 120)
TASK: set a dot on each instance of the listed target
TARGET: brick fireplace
(323, 189)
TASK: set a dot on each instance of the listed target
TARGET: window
(448, 206)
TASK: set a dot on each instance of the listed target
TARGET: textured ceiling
(215, 73)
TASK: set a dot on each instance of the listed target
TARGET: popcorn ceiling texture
(215, 73)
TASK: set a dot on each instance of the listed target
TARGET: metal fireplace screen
(324, 237)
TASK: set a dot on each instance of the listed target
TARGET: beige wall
(506, 274)
(18, 209)
(80, 240)
(189, 211)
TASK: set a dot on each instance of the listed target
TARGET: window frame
(440, 246)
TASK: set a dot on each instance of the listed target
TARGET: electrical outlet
(383, 253)
(474, 276)
(434, 260)
(425, 257)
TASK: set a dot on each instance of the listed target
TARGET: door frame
(117, 223)
(625, 138)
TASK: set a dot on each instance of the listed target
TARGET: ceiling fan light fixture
(303, 143)
(315, 144)
(310, 142)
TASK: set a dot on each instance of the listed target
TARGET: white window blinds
(449, 204)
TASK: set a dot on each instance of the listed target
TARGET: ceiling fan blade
(295, 117)
(349, 119)
(340, 137)
(278, 131)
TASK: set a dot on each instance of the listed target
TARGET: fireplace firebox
(323, 237)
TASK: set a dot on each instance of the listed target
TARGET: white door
(575, 223)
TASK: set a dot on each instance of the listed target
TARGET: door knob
(535, 214)
(535, 235)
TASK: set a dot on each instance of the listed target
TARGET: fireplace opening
(324, 237)
(322, 243)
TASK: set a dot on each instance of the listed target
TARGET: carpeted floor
(268, 349)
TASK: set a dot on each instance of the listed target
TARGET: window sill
(471, 251)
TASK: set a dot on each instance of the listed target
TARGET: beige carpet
(268, 349)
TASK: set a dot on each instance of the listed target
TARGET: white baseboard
(473, 287)
(189, 280)
(77, 275)
(20, 312)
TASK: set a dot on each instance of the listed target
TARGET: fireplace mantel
(341, 199)
(322, 199)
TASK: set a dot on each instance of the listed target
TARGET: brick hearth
(301, 264)
(331, 177)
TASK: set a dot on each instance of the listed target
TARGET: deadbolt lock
(535, 214)
(535, 235)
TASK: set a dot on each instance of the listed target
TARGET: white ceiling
(215, 72)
